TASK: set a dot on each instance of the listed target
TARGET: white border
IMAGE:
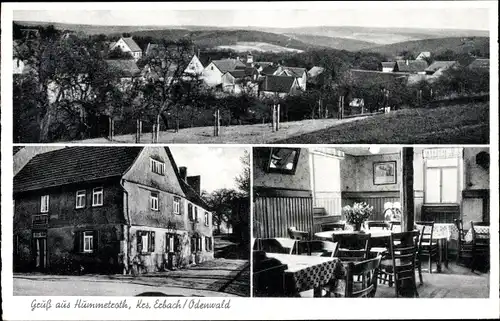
(253, 308)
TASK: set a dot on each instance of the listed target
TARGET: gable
(140, 172)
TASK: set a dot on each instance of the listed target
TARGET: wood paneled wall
(275, 210)
(375, 199)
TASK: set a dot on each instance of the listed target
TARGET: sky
(380, 16)
(218, 166)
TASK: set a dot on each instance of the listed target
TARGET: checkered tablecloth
(448, 231)
(307, 272)
(479, 229)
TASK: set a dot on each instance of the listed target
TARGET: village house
(388, 66)
(297, 72)
(411, 66)
(278, 86)
(108, 209)
(423, 55)
(437, 68)
(212, 74)
(127, 44)
(236, 81)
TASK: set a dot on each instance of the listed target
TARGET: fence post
(278, 117)
(215, 123)
(274, 118)
(218, 122)
(109, 129)
(157, 128)
(112, 128)
(153, 134)
(137, 137)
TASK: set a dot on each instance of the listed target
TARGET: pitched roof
(295, 71)
(279, 84)
(388, 64)
(424, 54)
(315, 71)
(480, 63)
(131, 44)
(361, 77)
(239, 73)
(269, 70)
(436, 65)
(225, 65)
(411, 65)
(127, 67)
(74, 165)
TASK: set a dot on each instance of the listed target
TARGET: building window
(88, 242)
(157, 167)
(208, 243)
(97, 195)
(206, 219)
(442, 179)
(171, 243)
(44, 204)
(177, 205)
(190, 212)
(154, 200)
(80, 199)
(145, 241)
(196, 214)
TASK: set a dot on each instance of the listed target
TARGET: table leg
(440, 255)
(317, 292)
(445, 253)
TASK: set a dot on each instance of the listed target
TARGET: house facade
(102, 209)
(299, 73)
(213, 72)
(127, 44)
(278, 86)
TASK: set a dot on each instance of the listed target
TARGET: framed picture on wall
(283, 160)
(384, 173)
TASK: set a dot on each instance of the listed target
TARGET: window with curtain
(442, 176)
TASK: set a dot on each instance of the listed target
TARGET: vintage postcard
(241, 160)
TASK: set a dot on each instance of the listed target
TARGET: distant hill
(333, 42)
(436, 46)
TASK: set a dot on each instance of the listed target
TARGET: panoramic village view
(131, 221)
(206, 84)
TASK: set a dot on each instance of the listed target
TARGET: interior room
(321, 214)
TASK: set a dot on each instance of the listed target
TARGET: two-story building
(213, 72)
(127, 44)
(108, 209)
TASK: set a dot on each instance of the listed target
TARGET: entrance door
(40, 253)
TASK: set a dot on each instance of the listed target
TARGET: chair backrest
(426, 230)
(270, 246)
(394, 224)
(295, 234)
(377, 225)
(403, 249)
(315, 247)
(479, 235)
(333, 226)
(460, 227)
(352, 247)
(367, 271)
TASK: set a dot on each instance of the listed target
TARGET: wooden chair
(377, 225)
(366, 272)
(268, 276)
(464, 249)
(428, 246)
(295, 234)
(270, 246)
(480, 244)
(401, 263)
(315, 248)
(394, 224)
(333, 226)
(352, 247)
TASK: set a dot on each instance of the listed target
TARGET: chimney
(183, 173)
(195, 183)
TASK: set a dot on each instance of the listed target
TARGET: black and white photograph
(329, 230)
(379, 75)
(131, 221)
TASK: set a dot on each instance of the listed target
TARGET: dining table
(483, 230)
(309, 272)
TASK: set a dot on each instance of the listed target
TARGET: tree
(220, 203)
(117, 53)
(243, 179)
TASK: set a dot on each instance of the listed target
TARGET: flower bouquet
(357, 214)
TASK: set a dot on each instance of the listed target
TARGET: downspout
(128, 222)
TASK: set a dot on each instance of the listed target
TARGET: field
(244, 46)
(457, 124)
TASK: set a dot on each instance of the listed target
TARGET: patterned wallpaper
(300, 180)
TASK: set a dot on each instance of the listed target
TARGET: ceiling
(364, 151)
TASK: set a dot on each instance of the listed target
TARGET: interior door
(325, 172)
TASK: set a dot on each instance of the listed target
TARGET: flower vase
(356, 227)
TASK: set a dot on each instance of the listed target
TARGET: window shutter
(95, 241)
(193, 245)
(152, 241)
(139, 242)
(77, 247)
(199, 243)
(167, 242)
